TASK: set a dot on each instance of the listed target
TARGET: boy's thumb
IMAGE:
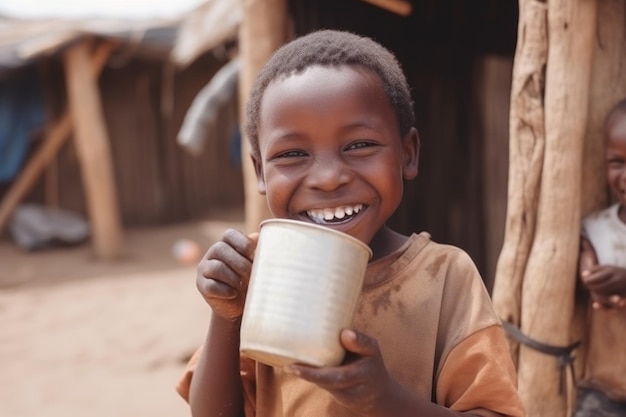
(254, 236)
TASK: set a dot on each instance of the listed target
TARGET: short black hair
(332, 48)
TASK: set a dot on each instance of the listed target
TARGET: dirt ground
(81, 337)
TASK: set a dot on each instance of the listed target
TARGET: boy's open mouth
(334, 215)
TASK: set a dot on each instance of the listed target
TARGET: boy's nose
(328, 175)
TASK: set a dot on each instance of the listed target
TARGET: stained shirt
(437, 330)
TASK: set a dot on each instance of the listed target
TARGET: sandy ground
(81, 337)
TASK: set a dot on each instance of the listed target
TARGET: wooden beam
(53, 140)
(94, 154)
(526, 150)
(400, 7)
(494, 93)
(263, 29)
(549, 285)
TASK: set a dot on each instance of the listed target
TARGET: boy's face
(330, 150)
(615, 151)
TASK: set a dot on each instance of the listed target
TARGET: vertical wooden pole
(526, 150)
(263, 30)
(495, 90)
(92, 145)
(550, 276)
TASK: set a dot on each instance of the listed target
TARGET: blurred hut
(108, 98)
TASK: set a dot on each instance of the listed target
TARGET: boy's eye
(291, 154)
(360, 145)
(615, 162)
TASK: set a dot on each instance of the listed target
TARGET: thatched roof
(181, 38)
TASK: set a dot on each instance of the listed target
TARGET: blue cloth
(21, 111)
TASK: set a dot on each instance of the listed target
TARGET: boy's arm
(222, 279)
(216, 388)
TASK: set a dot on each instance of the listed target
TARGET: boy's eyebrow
(364, 125)
(287, 133)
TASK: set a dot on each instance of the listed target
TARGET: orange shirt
(437, 331)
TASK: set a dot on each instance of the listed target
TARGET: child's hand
(588, 258)
(224, 273)
(360, 382)
(607, 285)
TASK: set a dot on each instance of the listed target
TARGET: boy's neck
(385, 242)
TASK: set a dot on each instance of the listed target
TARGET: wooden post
(526, 149)
(494, 89)
(54, 138)
(550, 276)
(263, 30)
(92, 145)
(400, 7)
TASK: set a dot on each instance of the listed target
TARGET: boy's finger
(242, 243)
(254, 237)
(358, 343)
(207, 280)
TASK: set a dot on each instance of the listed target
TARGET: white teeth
(337, 213)
(340, 213)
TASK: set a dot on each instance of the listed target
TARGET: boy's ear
(411, 149)
(258, 170)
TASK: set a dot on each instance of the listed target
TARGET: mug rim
(321, 228)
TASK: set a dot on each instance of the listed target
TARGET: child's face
(330, 150)
(615, 150)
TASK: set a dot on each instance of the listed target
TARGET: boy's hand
(224, 273)
(360, 382)
(607, 285)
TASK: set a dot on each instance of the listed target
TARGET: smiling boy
(330, 121)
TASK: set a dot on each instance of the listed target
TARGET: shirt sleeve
(184, 383)
(478, 376)
(248, 378)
